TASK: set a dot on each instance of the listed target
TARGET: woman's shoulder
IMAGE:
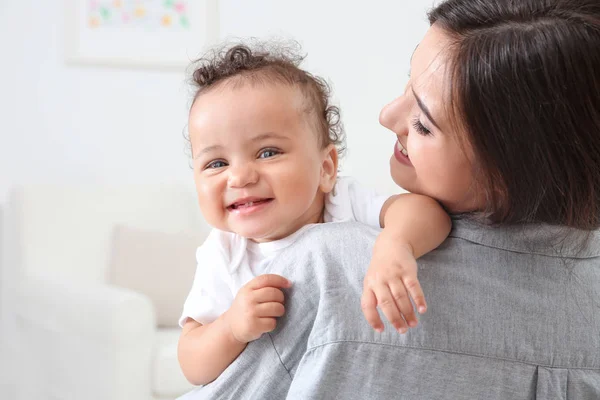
(540, 239)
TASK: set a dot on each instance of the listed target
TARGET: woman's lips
(398, 155)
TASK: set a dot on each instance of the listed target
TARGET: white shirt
(227, 261)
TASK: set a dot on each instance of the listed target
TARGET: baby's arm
(413, 225)
(205, 351)
(417, 220)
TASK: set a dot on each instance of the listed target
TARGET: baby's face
(258, 166)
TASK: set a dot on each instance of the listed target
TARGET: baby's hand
(256, 307)
(390, 280)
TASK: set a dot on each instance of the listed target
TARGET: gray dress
(514, 313)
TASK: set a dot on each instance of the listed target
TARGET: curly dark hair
(268, 63)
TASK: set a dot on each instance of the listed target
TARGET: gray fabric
(513, 314)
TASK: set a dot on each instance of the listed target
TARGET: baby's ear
(329, 168)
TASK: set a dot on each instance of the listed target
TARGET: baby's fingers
(408, 274)
(267, 294)
(368, 305)
(413, 287)
(402, 301)
(272, 309)
(267, 324)
(268, 280)
(389, 306)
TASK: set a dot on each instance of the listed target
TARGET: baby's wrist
(394, 241)
(229, 331)
(402, 243)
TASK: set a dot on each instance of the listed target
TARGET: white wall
(70, 124)
(74, 124)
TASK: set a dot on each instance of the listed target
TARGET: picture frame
(156, 34)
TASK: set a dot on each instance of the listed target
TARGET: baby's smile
(249, 205)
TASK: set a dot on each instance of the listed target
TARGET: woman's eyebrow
(425, 110)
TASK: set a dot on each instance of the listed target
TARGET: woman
(500, 122)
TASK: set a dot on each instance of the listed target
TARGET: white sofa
(78, 337)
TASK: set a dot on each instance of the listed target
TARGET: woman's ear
(329, 168)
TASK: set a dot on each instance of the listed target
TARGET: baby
(265, 144)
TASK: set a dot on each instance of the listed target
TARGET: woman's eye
(268, 153)
(420, 128)
(216, 164)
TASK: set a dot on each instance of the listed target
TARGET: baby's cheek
(211, 205)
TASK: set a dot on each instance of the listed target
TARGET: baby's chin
(261, 235)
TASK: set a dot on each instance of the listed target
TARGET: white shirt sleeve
(211, 294)
(352, 201)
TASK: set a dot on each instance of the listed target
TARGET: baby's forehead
(260, 85)
(252, 107)
(238, 93)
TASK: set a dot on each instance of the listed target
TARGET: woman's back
(508, 319)
(513, 313)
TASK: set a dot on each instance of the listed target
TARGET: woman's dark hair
(267, 63)
(525, 78)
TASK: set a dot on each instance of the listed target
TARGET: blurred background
(99, 221)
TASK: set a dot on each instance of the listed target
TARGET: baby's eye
(268, 153)
(216, 164)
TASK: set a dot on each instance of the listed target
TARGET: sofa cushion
(157, 264)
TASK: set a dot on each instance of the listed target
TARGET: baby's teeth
(405, 152)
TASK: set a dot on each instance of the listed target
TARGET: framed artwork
(139, 33)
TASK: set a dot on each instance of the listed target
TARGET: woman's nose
(393, 116)
(242, 175)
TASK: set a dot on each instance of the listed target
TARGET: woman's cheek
(416, 151)
(428, 163)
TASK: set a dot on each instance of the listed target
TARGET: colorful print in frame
(139, 33)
